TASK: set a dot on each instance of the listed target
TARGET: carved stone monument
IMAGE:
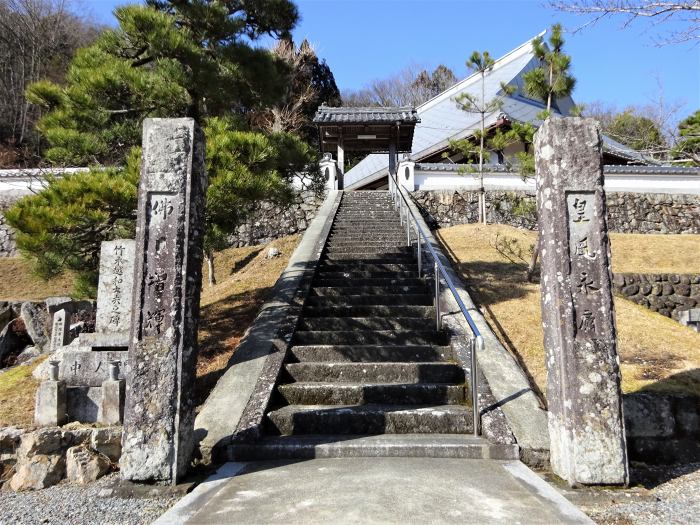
(586, 425)
(159, 416)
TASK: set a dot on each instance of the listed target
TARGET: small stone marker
(586, 426)
(60, 330)
(114, 295)
(50, 401)
(159, 415)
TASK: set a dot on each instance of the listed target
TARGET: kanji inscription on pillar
(586, 425)
(159, 415)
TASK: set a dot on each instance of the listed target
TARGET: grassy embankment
(656, 352)
(245, 278)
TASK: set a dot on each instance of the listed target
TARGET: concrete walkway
(375, 490)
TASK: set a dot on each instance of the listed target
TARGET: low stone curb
(236, 406)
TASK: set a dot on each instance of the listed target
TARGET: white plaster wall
(634, 183)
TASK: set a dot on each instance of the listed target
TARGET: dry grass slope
(656, 353)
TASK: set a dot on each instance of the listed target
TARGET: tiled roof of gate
(388, 115)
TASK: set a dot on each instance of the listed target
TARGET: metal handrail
(477, 341)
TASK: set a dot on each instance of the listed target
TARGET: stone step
(461, 446)
(324, 273)
(324, 282)
(364, 266)
(425, 312)
(386, 372)
(371, 419)
(364, 323)
(371, 300)
(387, 289)
(366, 243)
(361, 393)
(374, 337)
(372, 258)
(371, 353)
(370, 250)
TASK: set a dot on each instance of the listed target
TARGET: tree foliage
(61, 227)
(166, 59)
(688, 146)
(38, 38)
(551, 80)
(310, 84)
(637, 131)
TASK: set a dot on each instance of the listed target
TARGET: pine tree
(166, 59)
(480, 63)
(549, 81)
(688, 146)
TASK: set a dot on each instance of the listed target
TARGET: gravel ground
(663, 495)
(98, 502)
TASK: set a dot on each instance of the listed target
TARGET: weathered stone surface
(83, 403)
(84, 465)
(54, 304)
(111, 407)
(82, 367)
(649, 415)
(36, 321)
(38, 472)
(107, 441)
(50, 404)
(60, 329)
(585, 409)
(29, 354)
(159, 414)
(13, 339)
(114, 288)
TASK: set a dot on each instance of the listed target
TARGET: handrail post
(477, 346)
(418, 245)
(437, 297)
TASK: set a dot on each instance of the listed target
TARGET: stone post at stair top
(586, 425)
(329, 171)
(159, 413)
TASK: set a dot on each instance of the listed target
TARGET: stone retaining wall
(270, 222)
(662, 428)
(7, 236)
(627, 212)
(665, 293)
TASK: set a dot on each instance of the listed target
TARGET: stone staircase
(368, 374)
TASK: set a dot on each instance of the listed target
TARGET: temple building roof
(442, 120)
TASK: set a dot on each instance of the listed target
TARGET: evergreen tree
(688, 146)
(551, 80)
(166, 59)
(637, 131)
(480, 63)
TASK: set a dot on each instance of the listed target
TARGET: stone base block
(111, 411)
(50, 407)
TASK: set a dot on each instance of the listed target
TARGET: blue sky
(366, 39)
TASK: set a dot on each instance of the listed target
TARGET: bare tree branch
(686, 13)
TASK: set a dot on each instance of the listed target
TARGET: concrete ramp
(375, 490)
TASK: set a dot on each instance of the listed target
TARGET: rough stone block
(111, 407)
(38, 472)
(107, 441)
(50, 406)
(84, 465)
(81, 367)
(648, 415)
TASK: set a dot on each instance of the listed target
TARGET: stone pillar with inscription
(159, 416)
(586, 425)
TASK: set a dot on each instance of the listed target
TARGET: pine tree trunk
(210, 267)
(533, 261)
